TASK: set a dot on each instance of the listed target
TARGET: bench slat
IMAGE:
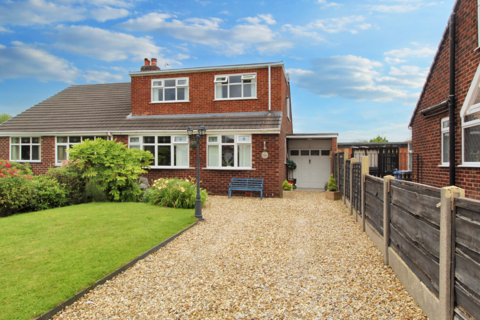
(246, 184)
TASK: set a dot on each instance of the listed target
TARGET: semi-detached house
(246, 110)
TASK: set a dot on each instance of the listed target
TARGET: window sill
(172, 168)
(473, 165)
(230, 168)
(158, 102)
(230, 99)
(444, 165)
(26, 161)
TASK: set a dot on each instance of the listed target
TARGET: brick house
(246, 110)
(438, 120)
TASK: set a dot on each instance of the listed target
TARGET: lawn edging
(49, 314)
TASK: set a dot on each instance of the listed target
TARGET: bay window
(26, 149)
(236, 86)
(445, 141)
(63, 143)
(170, 90)
(229, 151)
(168, 151)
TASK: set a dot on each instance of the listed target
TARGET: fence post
(352, 161)
(386, 216)
(446, 276)
(365, 171)
(345, 157)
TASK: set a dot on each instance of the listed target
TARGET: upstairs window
(170, 90)
(445, 141)
(27, 149)
(236, 86)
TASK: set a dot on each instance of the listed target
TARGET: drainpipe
(451, 101)
(269, 88)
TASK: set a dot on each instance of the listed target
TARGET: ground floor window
(25, 149)
(168, 151)
(233, 151)
(445, 141)
(63, 143)
(471, 140)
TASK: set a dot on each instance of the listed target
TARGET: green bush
(16, 194)
(112, 166)
(8, 169)
(332, 183)
(176, 193)
(93, 193)
(148, 195)
(291, 165)
(72, 181)
(48, 193)
(287, 185)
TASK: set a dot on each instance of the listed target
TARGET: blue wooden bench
(245, 184)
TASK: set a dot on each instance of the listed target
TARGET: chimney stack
(148, 67)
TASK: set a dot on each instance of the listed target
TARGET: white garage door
(313, 162)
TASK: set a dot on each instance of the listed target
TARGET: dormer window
(236, 86)
(170, 90)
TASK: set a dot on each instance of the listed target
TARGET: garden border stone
(49, 314)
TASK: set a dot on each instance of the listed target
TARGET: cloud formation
(108, 13)
(101, 76)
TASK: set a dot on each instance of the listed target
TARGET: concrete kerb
(49, 314)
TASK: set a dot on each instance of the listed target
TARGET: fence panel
(341, 171)
(374, 203)
(415, 229)
(357, 187)
(467, 256)
(347, 179)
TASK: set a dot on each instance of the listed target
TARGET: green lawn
(48, 256)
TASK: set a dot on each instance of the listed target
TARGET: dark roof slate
(106, 107)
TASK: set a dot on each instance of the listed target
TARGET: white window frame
(140, 144)
(222, 79)
(177, 85)
(466, 125)
(20, 144)
(443, 131)
(235, 143)
(478, 22)
(68, 144)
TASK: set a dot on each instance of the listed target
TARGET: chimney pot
(154, 61)
(147, 62)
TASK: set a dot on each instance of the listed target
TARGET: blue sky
(356, 67)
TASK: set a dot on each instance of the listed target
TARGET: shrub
(16, 194)
(48, 193)
(93, 193)
(112, 166)
(148, 195)
(72, 181)
(176, 193)
(291, 165)
(332, 183)
(8, 169)
(287, 185)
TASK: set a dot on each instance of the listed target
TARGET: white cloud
(208, 32)
(394, 60)
(364, 26)
(108, 13)
(182, 56)
(101, 76)
(350, 77)
(393, 132)
(403, 6)
(300, 31)
(107, 45)
(27, 61)
(32, 12)
(326, 4)
(336, 25)
(426, 51)
(268, 18)
(224, 12)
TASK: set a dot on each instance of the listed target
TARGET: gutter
(451, 101)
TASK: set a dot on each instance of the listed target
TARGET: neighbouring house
(246, 110)
(446, 124)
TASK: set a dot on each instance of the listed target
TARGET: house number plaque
(264, 154)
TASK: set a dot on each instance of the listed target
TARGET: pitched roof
(106, 108)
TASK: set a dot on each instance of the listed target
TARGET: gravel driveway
(258, 259)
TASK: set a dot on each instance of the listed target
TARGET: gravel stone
(300, 258)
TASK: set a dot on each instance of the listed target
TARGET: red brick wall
(202, 94)
(426, 132)
(47, 156)
(216, 181)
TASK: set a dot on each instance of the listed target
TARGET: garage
(311, 153)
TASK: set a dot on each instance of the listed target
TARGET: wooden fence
(429, 236)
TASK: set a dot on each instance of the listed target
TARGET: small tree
(4, 117)
(379, 138)
(113, 166)
(332, 183)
